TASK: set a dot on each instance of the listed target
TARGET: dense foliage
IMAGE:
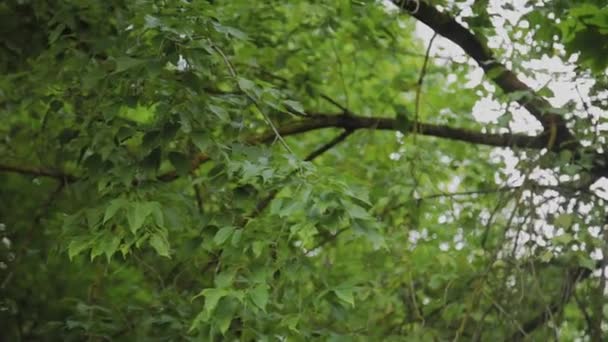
(298, 170)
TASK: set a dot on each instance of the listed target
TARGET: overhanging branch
(349, 123)
(354, 122)
(445, 25)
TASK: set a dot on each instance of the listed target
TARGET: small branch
(326, 240)
(251, 98)
(264, 202)
(340, 72)
(335, 141)
(38, 172)
(353, 122)
(420, 82)
(199, 198)
(335, 103)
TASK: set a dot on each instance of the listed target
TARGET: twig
(335, 103)
(340, 72)
(455, 194)
(251, 98)
(264, 202)
(335, 141)
(327, 239)
(419, 85)
(199, 198)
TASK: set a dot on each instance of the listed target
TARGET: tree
(296, 170)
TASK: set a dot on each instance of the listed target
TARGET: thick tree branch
(445, 25)
(354, 122)
(38, 172)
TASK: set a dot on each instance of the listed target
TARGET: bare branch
(353, 122)
(445, 25)
(335, 103)
(421, 81)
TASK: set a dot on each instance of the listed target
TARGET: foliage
(297, 170)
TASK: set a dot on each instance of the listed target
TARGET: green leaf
(225, 278)
(212, 297)
(236, 237)
(249, 87)
(93, 216)
(201, 140)
(563, 239)
(197, 321)
(546, 256)
(151, 21)
(126, 63)
(295, 106)
(494, 72)
(113, 207)
(180, 162)
(231, 31)
(220, 112)
(152, 161)
(223, 318)
(587, 262)
(160, 244)
(109, 245)
(345, 294)
(157, 213)
(257, 247)
(291, 322)
(519, 95)
(77, 245)
(222, 235)
(355, 211)
(563, 220)
(259, 296)
(136, 215)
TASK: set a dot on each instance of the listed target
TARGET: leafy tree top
(265, 170)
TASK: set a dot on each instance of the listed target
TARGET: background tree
(296, 170)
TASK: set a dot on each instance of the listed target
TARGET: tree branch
(38, 172)
(353, 122)
(448, 27)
